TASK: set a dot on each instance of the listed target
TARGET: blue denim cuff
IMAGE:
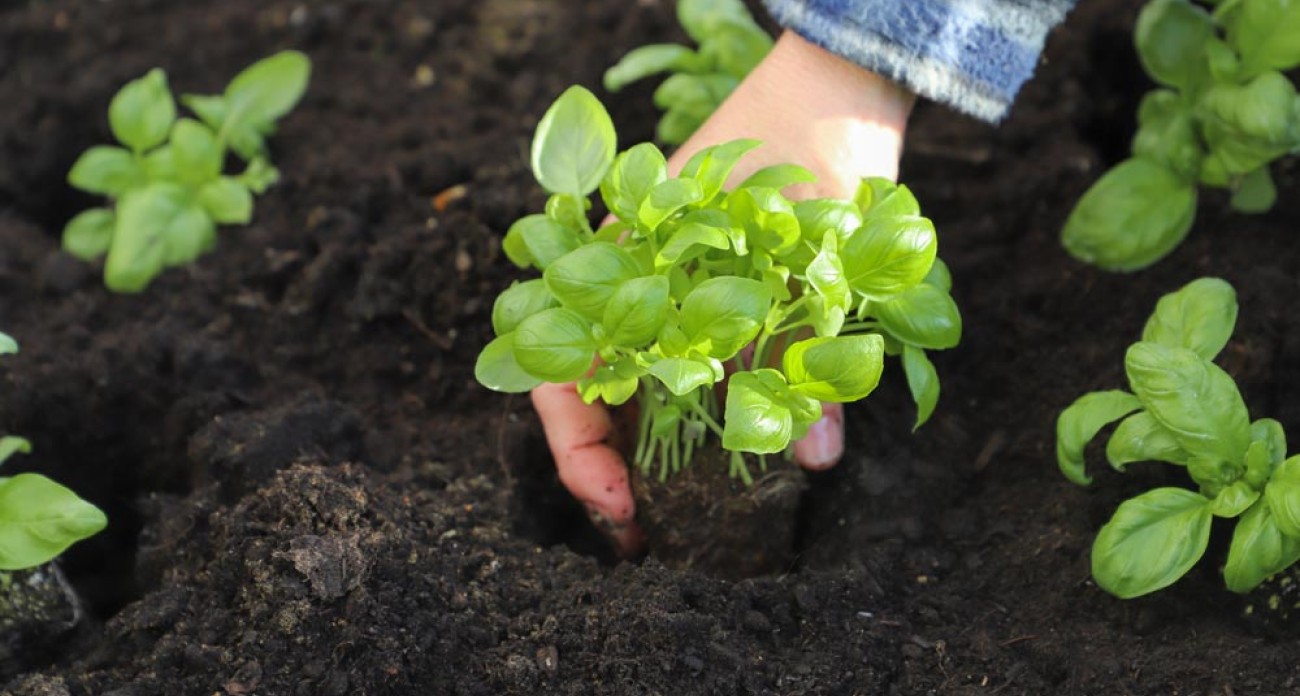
(970, 54)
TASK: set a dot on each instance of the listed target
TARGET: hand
(809, 107)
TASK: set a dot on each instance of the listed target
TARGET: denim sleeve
(970, 54)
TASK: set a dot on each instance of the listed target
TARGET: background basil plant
(1223, 113)
(660, 303)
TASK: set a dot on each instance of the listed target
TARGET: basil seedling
(659, 303)
(165, 181)
(730, 44)
(1223, 114)
(1184, 410)
(39, 518)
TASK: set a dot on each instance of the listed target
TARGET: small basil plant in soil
(730, 44)
(39, 518)
(165, 180)
(661, 303)
(1184, 410)
(1222, 114)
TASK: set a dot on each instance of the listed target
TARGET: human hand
(808, 107)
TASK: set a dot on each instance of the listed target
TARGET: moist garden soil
(310, 495)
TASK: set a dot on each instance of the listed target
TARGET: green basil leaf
(518, 302)
(198, 154)
(1283, 493)
(11, 445)
(1193, 398)
(88, 235)
(643, 62)
(836, 369)
(678, 124)
(691, 240)
(157, 225)
(721, 315)
(1171, 36)
(1247, 126)
(1270, 432)
(779, 176)
(1152, 541)
(260, 95)
(542, 239)
(889, 255)
(682, 375)
(702, 18)
(574, 145)
(736, 47)
(637, 311)
(586, 278)
(666, 199)
(1267, 34)
(939, 276)
(8, 346)
(821, 215)
(826, 274)
(924, 316)
(767, 218)
(555, 345)
(40, 520)
(1255, 192)
(1199, 317)
(612, 383)
(697, 95)
(712, 166)
(922, 381)
(1258, 550)
(1141, 438)
(227, 201)
(109, 171)
(1133, 216)
(1167, 134)
(1080, 423)
(879, 197)
(1234, 500)
(497, 369)
(142, 112)
(634, 174)
(762, 415)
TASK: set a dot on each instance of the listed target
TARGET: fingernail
(823, 446)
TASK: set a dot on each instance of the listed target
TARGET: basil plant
(1223, 113)
(39, 518)
(730, 44)
(1184, 410)
(165, 178)
(661, 303)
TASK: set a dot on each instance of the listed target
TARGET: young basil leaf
(106, 170)
(683, 375)
(1152, 541)
(1283, 494)
(1234, 500)
(570, 211)
(156, 226)
(1078, 424)
(666, 199)
(1199, 317)
(643, 62)
(574, 145)
(518, 302)
(679, 123)
(939, 276)
(88, 235)
(612, 383)
(586, 278)
(537, 240)
(41, 519)
(836, 369)
(197, 151)
(691, 240)
(259, 176)
(1247, 126)
(767, 218)
(779, 176)
(555, 345)
(142, 112)
(922, 381)
(923, 315)
(1255, 192)
(227, 201)
(1167, 134)
(1131, 217)
(736, 48)
(723, 314)
(631, 178)
(759, 413)
(637, 311)
(260, 95)
(1171, 37)
(697, 95)
(701, 18)
(1193, 398)
(826, 274)
(1267, 34)
(8, 346)
(827, 319)
(882, 198)
(1258, 550)
(821, 215)
(889, 254)
(497, 369)
(712, 166)
(11, 445)
(1270, 432)
(1141, 438)
(1258, 465)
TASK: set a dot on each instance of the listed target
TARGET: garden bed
(309, 494)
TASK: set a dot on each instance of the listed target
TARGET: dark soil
(310, 495)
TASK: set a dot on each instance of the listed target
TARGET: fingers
(588, 467)
(823, 446)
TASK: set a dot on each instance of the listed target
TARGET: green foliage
(1224, 112)
(1184, 410)
(730, 44)
(662, 302)
(166, 182)
(38, 517)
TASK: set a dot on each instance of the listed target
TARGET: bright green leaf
(779, 176)
(197, 151)
(836, 369)
(555, 345)
(636, 311)
(585, 279)
(643, 62)
(227, 201)
(1255, 192)
(1258, 550)
(1152, 541)
(106, 170)
(761, 413)
(1234, 500)
(142, 112)
(574, 145)
(39, 519)
(889, 254)
(157, 225)
(924, 316)
(723, 314)
(631, 178)
(1283, 493)
(666, 199)
(683, 375)
(11, 445)
(1171, 36)
(1131, 217)
(690, 240)
(1267, 33)
(518, 302)
(712, 165)
(497, 369)
(767, 218)
(1141, 438)
(88, 235)
(1199, 317)
(922, 381)
(1078, 424)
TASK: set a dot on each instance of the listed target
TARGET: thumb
(823, 446)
